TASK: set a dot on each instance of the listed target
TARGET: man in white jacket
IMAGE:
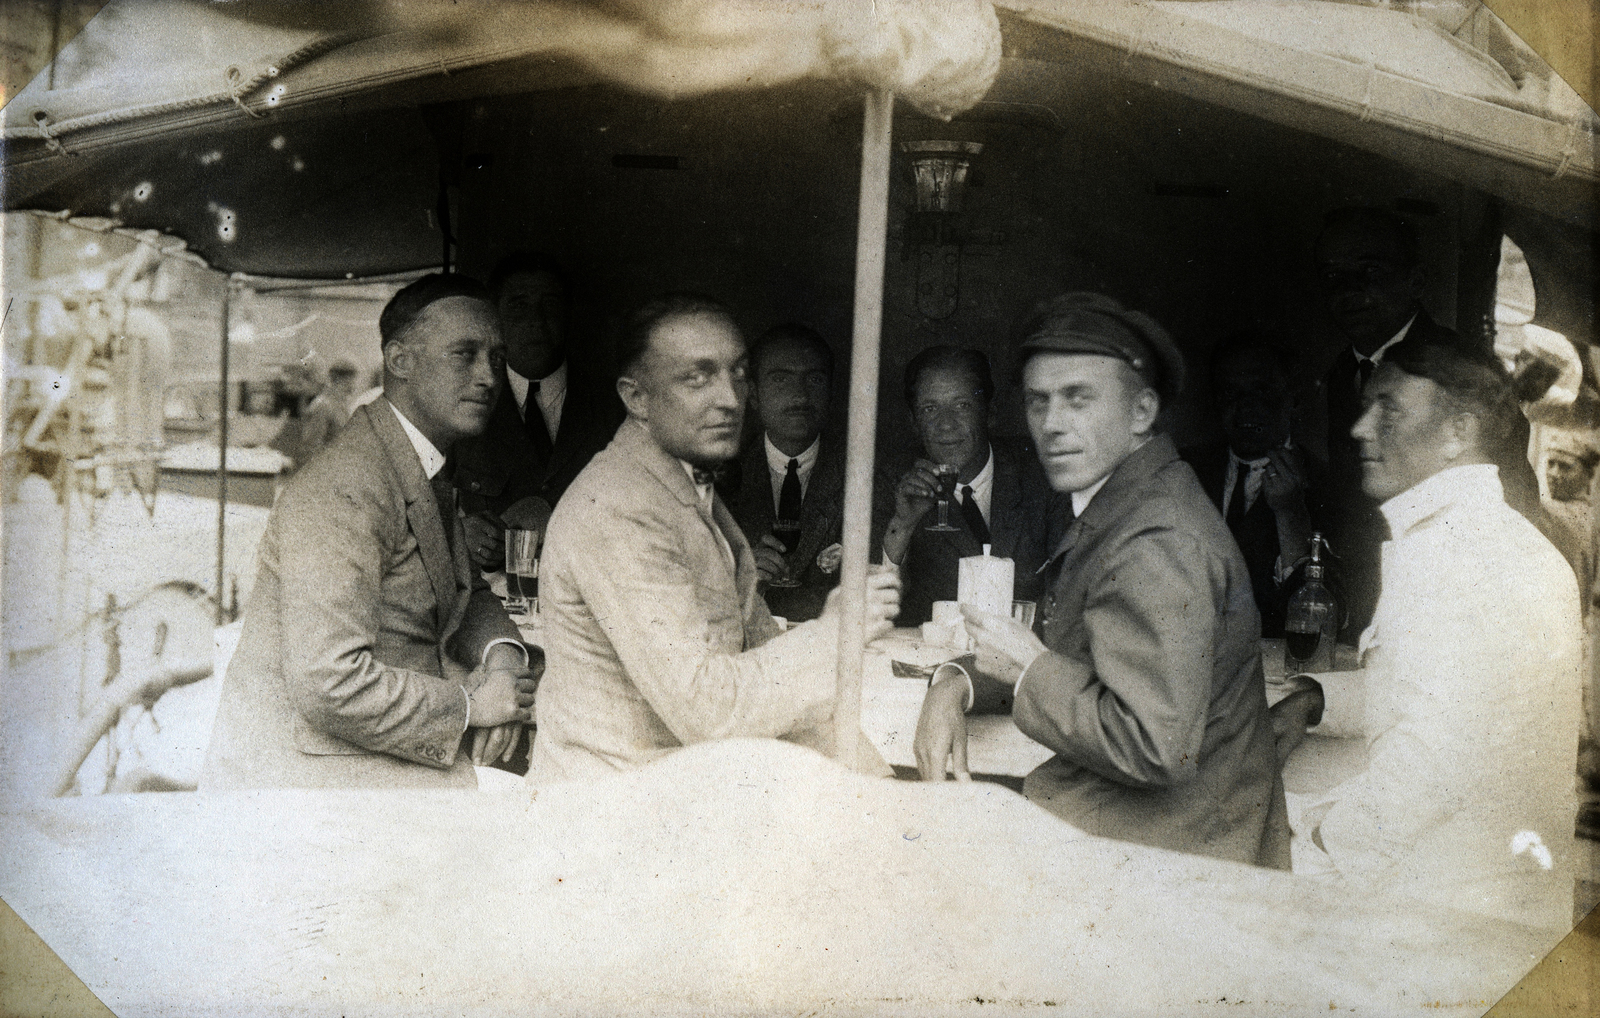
(1468, 695)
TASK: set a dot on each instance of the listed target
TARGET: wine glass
(522, 571)
(945, 492)
(788, 533)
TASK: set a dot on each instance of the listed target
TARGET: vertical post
(872, 222)
(222, 453)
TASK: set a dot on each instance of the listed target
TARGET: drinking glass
(522, 571)
(946, 491)
(1023, 612)
(787, 532)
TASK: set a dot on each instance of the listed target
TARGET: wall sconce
(939, 170)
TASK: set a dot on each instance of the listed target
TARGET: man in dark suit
(794, 472)
(1372, 281)
(1147, 683)
(370, 645)
(1002, 498)
(552, 417)
(1268, 490)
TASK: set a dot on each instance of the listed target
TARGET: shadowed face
(443, 372)
(1252, 396)
(951, 415)
(791, 394)
(533, 315)
(1087, 413)
(1369, 289)
(689, 387)
(1567, 476)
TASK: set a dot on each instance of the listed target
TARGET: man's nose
(1362, 429)
(728, 391)
(483, 373)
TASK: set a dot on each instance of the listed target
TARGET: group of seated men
(374, 654)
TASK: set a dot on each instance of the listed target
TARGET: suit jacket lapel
(819, 512)
(1005, 500)
(422, 512)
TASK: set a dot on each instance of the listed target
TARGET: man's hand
(486, 542)
(498, 694)
(770, 564)
(883, 601)
(1004, 646)
(942, 731)
(488, 743)
(1284, 486)
(916, 492)
(1292, 715)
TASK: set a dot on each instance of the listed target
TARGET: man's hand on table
(500, 695)
(1296, 712)
(942, 731)
(1004, 646)
(883, 601)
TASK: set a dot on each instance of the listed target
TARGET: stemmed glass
(788, 533)
(522, 571)
(946, 491)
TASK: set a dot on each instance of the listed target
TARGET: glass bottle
(1312, 624)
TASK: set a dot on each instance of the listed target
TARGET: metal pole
(872, 222)
(222, 457)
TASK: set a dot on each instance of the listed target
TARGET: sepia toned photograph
(799, 507)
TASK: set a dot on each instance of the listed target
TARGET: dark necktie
(703, 477)
(789, 494)
(533, 420)
(974, 515)
(1364, 370)
(444, 496)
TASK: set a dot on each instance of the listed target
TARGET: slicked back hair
(528, 263)
(1473, 382)
(790, 334)
(406, 306)
(1379, 220)
(973, 362)
(643, 322)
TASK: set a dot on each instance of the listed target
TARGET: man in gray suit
(1148, 683)
(655, 634)
(370, 645)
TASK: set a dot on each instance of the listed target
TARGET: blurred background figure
(1570, 457)
(329, 412)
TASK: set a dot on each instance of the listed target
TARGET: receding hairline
(681, 315)
(411, 324)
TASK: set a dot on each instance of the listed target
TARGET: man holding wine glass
(791, 491)
(967, 490)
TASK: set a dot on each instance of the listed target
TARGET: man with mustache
(1148, 682)
(794, 472)
(370, 644)
(656, 635)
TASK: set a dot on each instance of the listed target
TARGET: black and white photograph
(799, 507)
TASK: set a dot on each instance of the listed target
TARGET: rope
(1366, 92)
(1570, 150)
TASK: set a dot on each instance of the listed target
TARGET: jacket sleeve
(664, 627)
(1133, 710)
(333, 556)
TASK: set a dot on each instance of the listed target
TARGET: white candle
(986, 582)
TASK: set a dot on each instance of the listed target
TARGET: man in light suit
(370, 647)
(795, 471)
(656, 635)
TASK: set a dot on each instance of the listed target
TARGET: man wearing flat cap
(1147, 683)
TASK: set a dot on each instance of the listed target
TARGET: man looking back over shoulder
(1148, 682)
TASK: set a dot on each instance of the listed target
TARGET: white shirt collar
(1081, 499)
(1475, 483)
(432, 459)
(982, 486)
(1377, 355)
(552, 391)
(778, 460)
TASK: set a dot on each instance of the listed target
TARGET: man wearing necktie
(794, 472)
(1147, 682)
(656, 636)
(1268, 489)
(1001, 496)
(553, 414)
(370, 644)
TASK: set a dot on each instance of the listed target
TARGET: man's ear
(1146, 408)
(1461, 435)
(398, 359)
(633, 397)
(1416, 281)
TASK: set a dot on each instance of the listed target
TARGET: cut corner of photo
(307, 309)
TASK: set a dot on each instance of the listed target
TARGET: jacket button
(474, 485)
